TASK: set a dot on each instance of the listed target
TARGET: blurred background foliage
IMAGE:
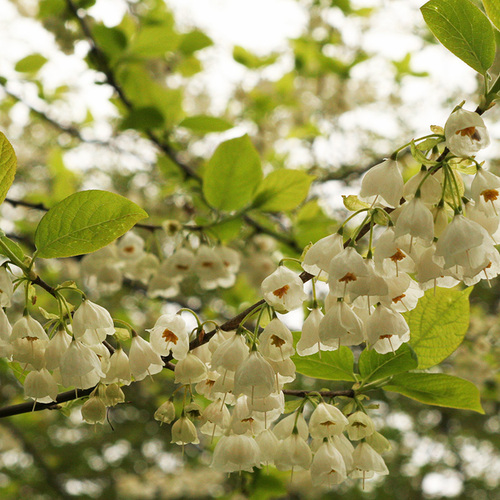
(141, 116)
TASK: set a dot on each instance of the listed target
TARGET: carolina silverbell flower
(465, 133)
(383, 183)
(283, 290)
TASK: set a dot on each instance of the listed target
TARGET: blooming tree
(385, 292)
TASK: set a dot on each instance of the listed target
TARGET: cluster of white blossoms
(432, 233)
(104, 270)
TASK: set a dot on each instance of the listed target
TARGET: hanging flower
(170, 335)
(465, 133)
(319, 256)
(92, 323)
(328, 466)
(384, 183)
(143, 359)
(236, 453)
(283, 290)
(276, 341)
(184, 432)
(326, 421)
(40, 386)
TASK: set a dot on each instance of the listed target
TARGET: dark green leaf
(438, 324)
(232, 174)
(464, 30)
(374, 366)
(84, 222)
(143, 119)
(437, 389)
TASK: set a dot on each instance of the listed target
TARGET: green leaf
(333, 365)
(374, 366)
(437, 389)
(13, 247)
(438, 324)
(282, 190)
(250, 60)
(30, 64)
(84, 222)
(492, 8)
(112, 41)
(8, 165)
(205, 124)
(232, 174)
(464, 30)
(144, 118)
(353, 203)
(419, 156)
(154, 41)
(194, 41)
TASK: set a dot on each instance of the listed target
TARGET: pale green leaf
(492, 8)
(333, 365)
(193, 41)
(232, 174)
(437, 389)
(30, 64)
(282, 190)
(8, 165)
(464, 30)
(374, 366)
(13, 247)
(205, 124)
(84, 222)
(353, 203)
(154, 41)
(438, 324)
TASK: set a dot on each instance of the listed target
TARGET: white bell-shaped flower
(184, 432)
(29, 341)
(236, 453)
(367, 461)
(209, 267)
(403, 293)
(293, 453)
(389, 257)
(465, 133)
(430, 274)
(360, 426)
(345, 269)
(5, 333)
(80, 366)
(319, 256)
(384, 183)
(284, 428)
(285, 370)
(216, 418)
(190, 370)
(244, 420)
(230, 354)
(378, 442)
(230, 258)
(143, 269)
(269, 403)
(92, 323)
(416, 220)
(268, 445)
(143, 359)
(346, 449)
(40, 386)
(283, 290)
(328, 467)
(326, 421)
(130, 247)
(6, 287)
(119, 368)
(178, 265)
(56, 348)
(94, 410)
(430, 188)
(170, 335)
(486, 186)
(254, 377)
(113, 395)
(165, 413)
(341, 326)
(384, 323)
(309, 342)
(276, 341)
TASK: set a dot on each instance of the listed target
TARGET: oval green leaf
(438, 324)
(464, 30)
(232, 174)
(84, 222)
(282, 190)
(8, 166)
(205, 124)
(374, 366)
(333, 365)
(437, 389)
(30, 64)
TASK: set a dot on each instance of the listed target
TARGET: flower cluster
(105, 269)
